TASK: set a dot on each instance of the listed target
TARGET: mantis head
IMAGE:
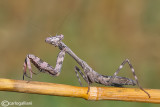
(54, 40)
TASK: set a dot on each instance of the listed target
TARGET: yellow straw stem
(95, 93)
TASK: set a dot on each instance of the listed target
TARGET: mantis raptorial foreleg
(42, 65)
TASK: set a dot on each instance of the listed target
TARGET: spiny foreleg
(43, 66)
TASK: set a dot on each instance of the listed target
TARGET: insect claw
(88, 89)
(34, 73)
(25, 74)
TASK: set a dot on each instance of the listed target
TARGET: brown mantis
(89, 75)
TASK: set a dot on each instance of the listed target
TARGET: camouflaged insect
(89, 75)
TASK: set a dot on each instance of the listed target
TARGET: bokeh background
(103, 33)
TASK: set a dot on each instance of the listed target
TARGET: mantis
(89, 75)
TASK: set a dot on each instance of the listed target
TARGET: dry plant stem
(95, 93)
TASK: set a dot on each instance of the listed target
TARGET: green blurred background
(103, 33)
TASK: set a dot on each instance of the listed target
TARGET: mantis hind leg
(133, 72)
